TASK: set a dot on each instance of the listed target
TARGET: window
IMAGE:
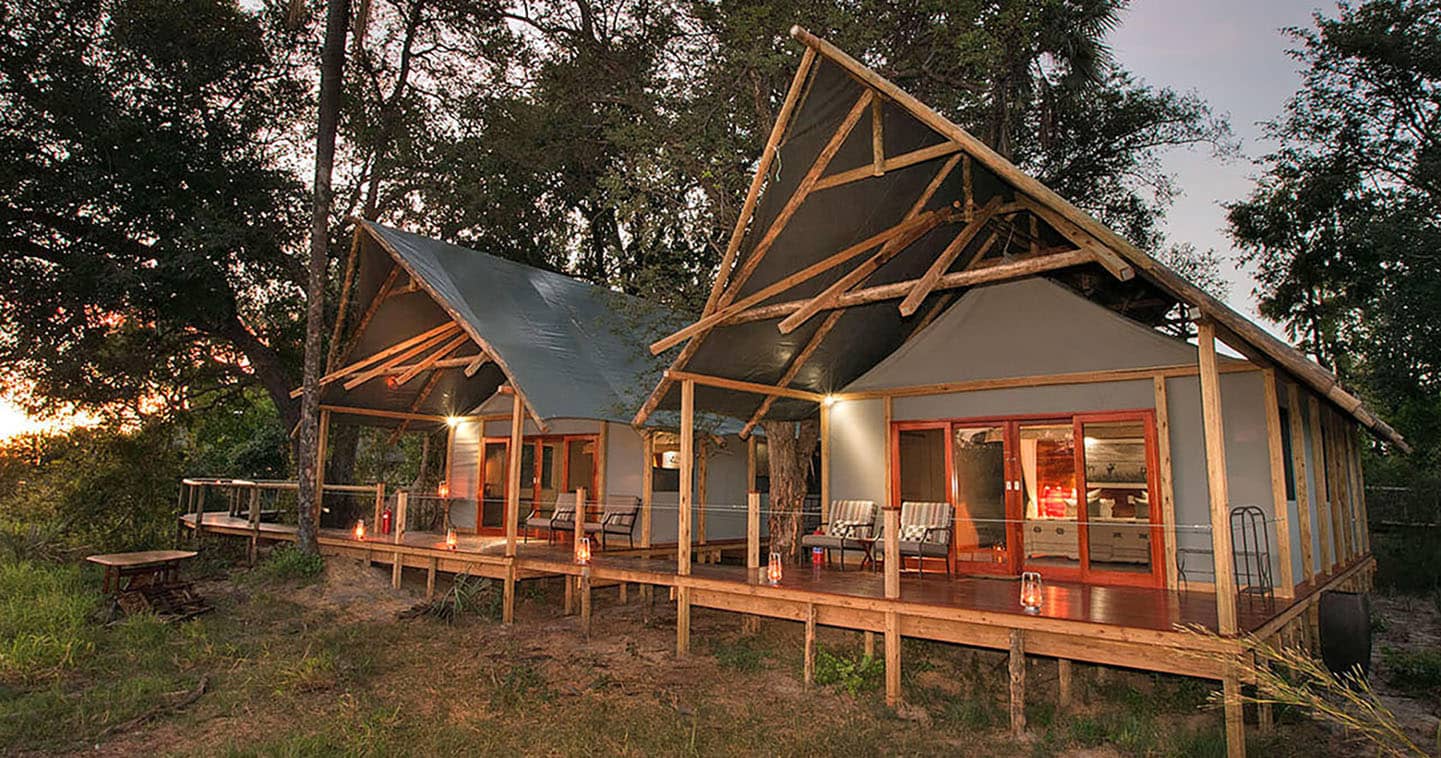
(665, 462)
(1286, 462)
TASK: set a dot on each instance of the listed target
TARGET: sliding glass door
(1069, 496)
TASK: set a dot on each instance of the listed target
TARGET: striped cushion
(843, 512)
(620, 505)
(564, 507)
(925, 515)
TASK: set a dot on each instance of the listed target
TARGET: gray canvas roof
(841, 177)
(575, 350)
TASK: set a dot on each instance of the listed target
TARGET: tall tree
(332, 70)
(1345, 222)
(146, 218)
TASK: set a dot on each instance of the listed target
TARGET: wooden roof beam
(864, 270)
(997, 272)
(942, 263)
(920, 155)
(400, 357)
(721, 382)
(402, 345)
(430, 361)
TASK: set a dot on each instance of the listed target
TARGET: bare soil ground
(327, 669)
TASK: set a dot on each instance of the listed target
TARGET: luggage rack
(1251, 554)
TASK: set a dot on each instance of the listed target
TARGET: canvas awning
(865, 198)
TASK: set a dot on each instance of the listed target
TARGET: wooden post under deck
(682, 549)
(892, 526)
(1017, 669)
(751, 623)
(810, 652)
(582, 582)
(1286, 586)
(647, 494)
(1216, 482)
(512, 502)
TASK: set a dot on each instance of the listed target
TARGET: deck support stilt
(810, 654)
(569, 595)
(430, 577)
(397, 565)
(1235, 721)
(1018, 682)
(507, 601)
(584, 581)
(682, 548)
(682, 621)
(893, 659)
(868, 643)
(624, 592)
(1063, 683)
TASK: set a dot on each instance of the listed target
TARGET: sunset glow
(15, 422)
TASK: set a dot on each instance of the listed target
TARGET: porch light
(360, 530)
(829, 400)
(1031, 592)
(452, 421)
(450, 541)
(582, 551)
(773, 569)
(442, 490)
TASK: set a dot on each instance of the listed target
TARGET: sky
(1230, 52)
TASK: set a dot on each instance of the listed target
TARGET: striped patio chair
(561, 518)
(851, 523)
(925, 532)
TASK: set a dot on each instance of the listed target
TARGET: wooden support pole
(1361, 498)
(1017, 669)
(1298, 469)
(1328, 555)
(810, 654)
(892, 524)
(1168, 490)
(379, 507)
(397, 567)
(1280, 505)
(254, 523)
(893, 659)
(1225, 578)
(512, 478)
(825, 445)
(702, 475)
(1235, 721)
(430, 577)
(647, 495)
(602, 487)
(402, 502)
(753, 536)
(507, 600)
(1063, 683)
(687, 462)
(582, 582)
(868, 644)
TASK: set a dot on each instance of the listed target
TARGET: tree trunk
(332, 69)
(790, 446)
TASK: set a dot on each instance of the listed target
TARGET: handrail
(272, 484)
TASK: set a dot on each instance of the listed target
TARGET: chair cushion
(852, 511)
(932, 548)
(912, 532)
(849, 528)
(822, 540)
(538, 522)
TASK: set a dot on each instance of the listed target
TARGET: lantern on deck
(1031, 592)
(442, 490)
(582, 551)
(360, 530)
(450, 540)
(773, 569)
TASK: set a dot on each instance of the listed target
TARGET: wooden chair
(925, 532)
(617, 517)
(561, 518)
(852, 522)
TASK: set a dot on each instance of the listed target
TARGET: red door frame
(1015, 534)
(537, 440)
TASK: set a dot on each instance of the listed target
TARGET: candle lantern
(442, 490)
(1031, 592)
(773, 569)
(360, 530)
(582, 551)
(450, 541)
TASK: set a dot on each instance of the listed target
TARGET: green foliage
(739, 653)
(45, 618)
(851, 673)
(1414, 671)
(1343, 222)
(468, 595)
(287, 563)
(520, 684)
(99, 490)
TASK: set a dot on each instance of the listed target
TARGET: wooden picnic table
(148, 580)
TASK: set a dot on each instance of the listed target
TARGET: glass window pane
(493, 497)
(1118, 497)
(979, 455)
(1047, 457)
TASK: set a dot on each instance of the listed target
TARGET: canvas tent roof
(574, 349)
(853, 159)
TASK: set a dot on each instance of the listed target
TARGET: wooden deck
(1129, 627)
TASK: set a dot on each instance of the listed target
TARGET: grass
(1416, 672)
(287, 563)
(853, 674)
(44, 618)
(745, 654)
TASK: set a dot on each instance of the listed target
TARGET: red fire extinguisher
(385, 518)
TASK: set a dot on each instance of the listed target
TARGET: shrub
(288, 563)
(1415, 671)
(850, 673)
(45, 615)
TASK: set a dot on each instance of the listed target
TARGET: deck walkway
(1132, 627)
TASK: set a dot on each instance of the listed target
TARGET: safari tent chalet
(1019, 390)
(1033, 436)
